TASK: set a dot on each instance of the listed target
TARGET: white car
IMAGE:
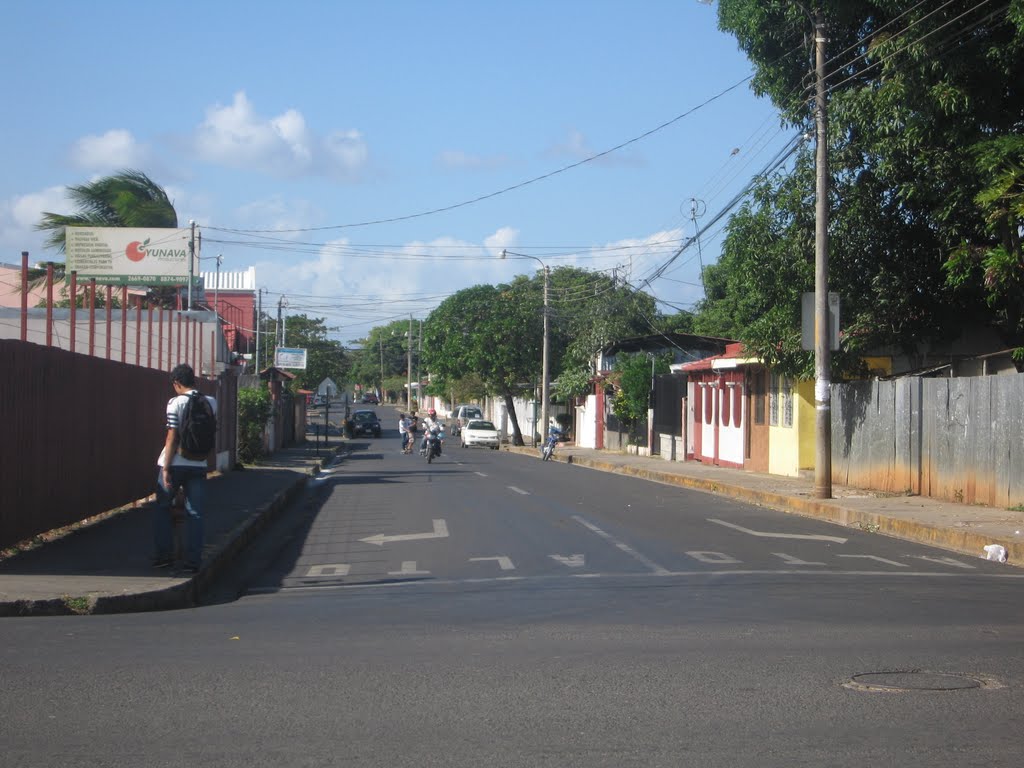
(480, 432)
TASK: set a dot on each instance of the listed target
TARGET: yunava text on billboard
(126, 256)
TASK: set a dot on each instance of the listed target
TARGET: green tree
(633, 378)
(493, 332)
(919, 100)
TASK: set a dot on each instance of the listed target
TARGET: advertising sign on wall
(128, 256)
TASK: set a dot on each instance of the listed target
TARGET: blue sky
(317, 116)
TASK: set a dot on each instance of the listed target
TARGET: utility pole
(419, 357)
(822, 336)
(694, 205)
(408, 373)
(259, 322)
(380, 343)
(216, 287)
(191, 262)
(278, 335)
(545, 384)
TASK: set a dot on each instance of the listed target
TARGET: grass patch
(79, 605)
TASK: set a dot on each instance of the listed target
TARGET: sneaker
(162, 562)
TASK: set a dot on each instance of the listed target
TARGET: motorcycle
(435, 439)
(548, 448)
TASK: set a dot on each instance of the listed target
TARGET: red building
(232, 295)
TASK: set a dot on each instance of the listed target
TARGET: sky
(370, 159)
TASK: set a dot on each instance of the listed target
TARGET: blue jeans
(193, 481)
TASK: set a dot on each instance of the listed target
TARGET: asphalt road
(492, 609)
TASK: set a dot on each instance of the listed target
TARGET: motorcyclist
(554, 435)
(430, 425)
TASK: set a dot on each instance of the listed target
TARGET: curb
(184, 594)
(963, 542)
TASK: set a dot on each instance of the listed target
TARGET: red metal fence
(80, 435)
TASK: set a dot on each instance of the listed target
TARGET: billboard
(128, 256)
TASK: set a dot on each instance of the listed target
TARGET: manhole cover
(919, 680)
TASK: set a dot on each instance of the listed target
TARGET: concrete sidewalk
(106, 567)
(957, 527)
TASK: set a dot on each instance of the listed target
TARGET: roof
(735, 355)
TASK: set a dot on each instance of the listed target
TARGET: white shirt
(175, 411)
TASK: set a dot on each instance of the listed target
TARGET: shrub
(254, 410)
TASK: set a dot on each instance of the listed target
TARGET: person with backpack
(191, 433)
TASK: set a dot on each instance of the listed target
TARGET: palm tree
(126, 199)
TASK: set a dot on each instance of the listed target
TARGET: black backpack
(198, 428)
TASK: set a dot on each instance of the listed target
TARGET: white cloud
(458, 160)
(115, 149)
(506, 237)
(20, 214)
(577, 147)
(236, 136)
(346, 284)
(280, 214)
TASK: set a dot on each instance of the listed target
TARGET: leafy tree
(925, 111)
(382, 360)
(589, 310)
(493, 332)
(633, 378)
(126, 199)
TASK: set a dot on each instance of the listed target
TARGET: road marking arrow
(440, 532)
(767, 535)
(573, 561)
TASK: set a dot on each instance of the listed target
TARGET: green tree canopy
(926, 107)
(126, 199)
(492, 332)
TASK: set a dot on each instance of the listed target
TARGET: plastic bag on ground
(995, 552)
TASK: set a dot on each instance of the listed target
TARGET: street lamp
(545, 371)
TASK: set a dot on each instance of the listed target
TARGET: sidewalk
(106, 567)
(960, 528)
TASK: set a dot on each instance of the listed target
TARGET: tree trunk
(517, 435)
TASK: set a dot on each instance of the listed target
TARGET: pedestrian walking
(403, 430)
(191, 420)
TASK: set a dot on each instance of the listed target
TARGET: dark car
(364, 423)
(370, 399)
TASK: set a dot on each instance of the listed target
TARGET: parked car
(480, 432)
(462, 415)
(370, 399)
(364, 423)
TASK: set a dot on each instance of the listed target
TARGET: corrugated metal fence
(960, 439)
(80, 435)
